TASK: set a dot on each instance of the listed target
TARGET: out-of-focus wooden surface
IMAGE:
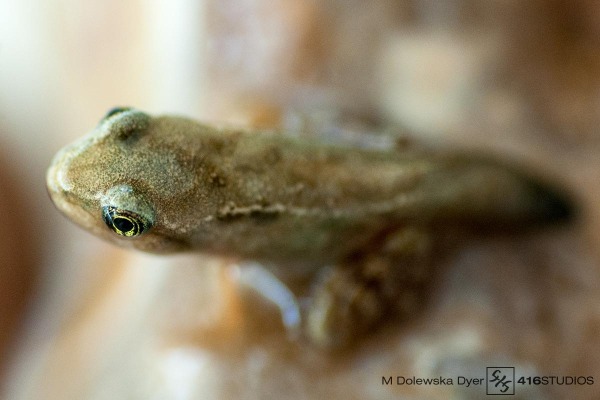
(517, 79)
(18, 252)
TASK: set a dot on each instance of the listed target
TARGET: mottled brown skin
(288, 202)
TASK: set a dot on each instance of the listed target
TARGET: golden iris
(124, 222)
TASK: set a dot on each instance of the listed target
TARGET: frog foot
(350, 300)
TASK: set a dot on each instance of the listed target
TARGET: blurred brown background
(80, 319)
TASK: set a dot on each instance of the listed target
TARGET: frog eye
(124, 222)
(115, 111)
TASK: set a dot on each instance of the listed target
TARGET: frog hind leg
(354, 297)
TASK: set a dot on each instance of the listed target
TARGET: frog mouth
(56, 181)
(61, 193)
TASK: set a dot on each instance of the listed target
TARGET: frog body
(167, 184)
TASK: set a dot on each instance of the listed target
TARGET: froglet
(361, 221)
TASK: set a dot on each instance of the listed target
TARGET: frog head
(123, 182)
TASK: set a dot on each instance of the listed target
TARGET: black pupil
(123, 224)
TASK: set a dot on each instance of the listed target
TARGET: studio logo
(500, 380)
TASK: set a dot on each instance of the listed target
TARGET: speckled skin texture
(295, 204)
